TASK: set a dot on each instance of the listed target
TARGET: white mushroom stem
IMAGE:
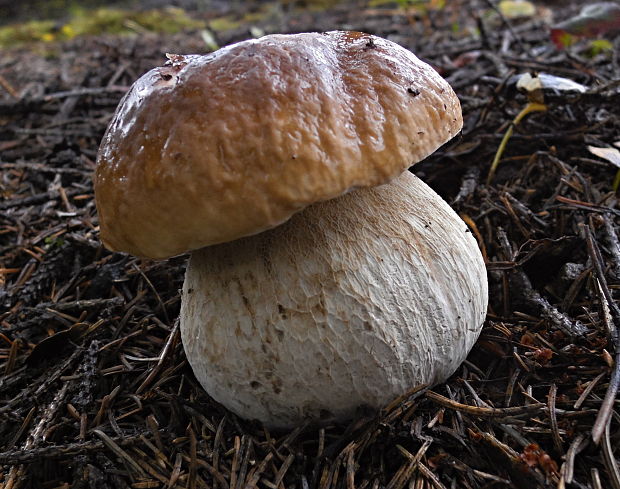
(350, 303)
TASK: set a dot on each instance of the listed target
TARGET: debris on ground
(95, 390)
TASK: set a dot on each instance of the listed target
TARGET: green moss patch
(100, 21)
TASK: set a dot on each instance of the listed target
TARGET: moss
(599, 46)
(35, 30)
(223, 24)
(419, 5)
(100, 21)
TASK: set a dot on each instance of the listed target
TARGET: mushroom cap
(212, 148)
(350, 303)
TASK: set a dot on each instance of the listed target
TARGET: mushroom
(323, 275)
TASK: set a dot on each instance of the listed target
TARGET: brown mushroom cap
(212, 148)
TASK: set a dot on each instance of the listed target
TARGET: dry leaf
(546, 81)
(514, 8)
(594, 20)
(610, 154)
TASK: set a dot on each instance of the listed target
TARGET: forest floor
(95, 390)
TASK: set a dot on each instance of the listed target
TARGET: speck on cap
(211, 148)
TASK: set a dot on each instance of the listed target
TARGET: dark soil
(95, 390)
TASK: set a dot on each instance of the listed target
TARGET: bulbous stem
(351, 302)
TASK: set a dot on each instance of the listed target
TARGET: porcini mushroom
(322, 277)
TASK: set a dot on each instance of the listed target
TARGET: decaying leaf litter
(95, 389)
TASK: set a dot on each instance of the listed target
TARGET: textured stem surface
(350, 303)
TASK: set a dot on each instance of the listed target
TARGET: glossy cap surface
(212, 148)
